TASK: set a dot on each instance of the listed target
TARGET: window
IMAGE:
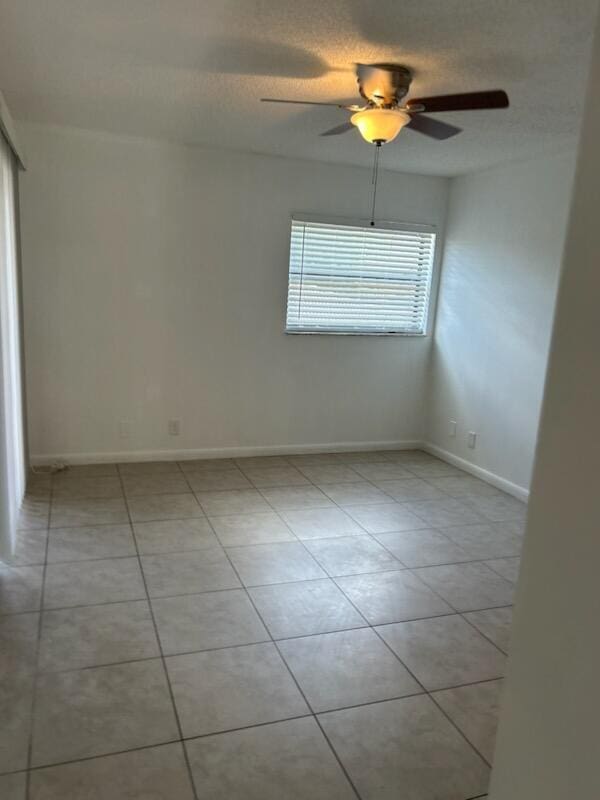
(347, 277)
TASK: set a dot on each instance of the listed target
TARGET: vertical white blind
(12, 449)
(349, 278)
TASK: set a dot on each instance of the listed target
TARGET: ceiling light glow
(380, 125)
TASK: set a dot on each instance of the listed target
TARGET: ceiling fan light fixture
(380, 125)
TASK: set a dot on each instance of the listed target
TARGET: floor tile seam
(314, 557)
(166, 743)
(292, 676)
(185, 739)
(419, 682)
(339, 507)
(459, 730)
(122, 464)
(436, 592)
(255, 544)
(400, 503)
(296, 538)
(145, 554)
(381, 639)
(87, 525)
(149, 599)
(94, 559)
(419, 578)
(45, 610)
(284, 541)
(271, 639)
(32, 709)
(149, 602)
(107, 754)
(485, 636)
(58, 498)
(495, 558)
(414, 677)
(160, 649)
(281, 512)
(315, 716)
(331, 577)
(131, 521)
(441, 563)
(424, 690)
(51, 609)
(144, 659)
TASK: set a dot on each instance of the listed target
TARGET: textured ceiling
(193, 71)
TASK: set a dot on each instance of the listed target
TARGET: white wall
(155, 286)
(504, 240)
(548, 745)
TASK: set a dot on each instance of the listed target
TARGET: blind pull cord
(301, 274)
(374, 181)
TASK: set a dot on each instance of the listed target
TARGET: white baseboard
(42, 459)
(520, 492)
(278, 450)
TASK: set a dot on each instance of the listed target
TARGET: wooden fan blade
(432, 127)
(470, 101)
(301, 102)
(343, 128)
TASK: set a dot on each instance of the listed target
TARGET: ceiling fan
(384, 87)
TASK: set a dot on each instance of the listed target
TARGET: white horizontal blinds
(348, 278)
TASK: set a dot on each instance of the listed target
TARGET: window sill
(354, 333)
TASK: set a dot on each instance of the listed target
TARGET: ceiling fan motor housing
(383, 85)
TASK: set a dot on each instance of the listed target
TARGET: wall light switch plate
(471, 439)
(124, 429)
(174, 427)
(452, 428)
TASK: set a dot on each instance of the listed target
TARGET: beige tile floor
(315, 626)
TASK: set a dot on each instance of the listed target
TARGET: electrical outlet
(471, 439)
(452, 428)
(124, 429)
(174, 427)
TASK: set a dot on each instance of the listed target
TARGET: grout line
(485, 636)
(296, 538)
(258, 641)
(245, 727)
(162, 744)
(410, 672)
(457, 728)
(457, 611)
(425, 692)
(330, 577)
(318, 721)
(155, 657)
(37, 653)
(415, 678)
(127, 521)
(501, 558)
(403, 567)
(253, 586)
(162, 655)
(293, 677)
(102, 755)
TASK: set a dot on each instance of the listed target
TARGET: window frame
(413, 227)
